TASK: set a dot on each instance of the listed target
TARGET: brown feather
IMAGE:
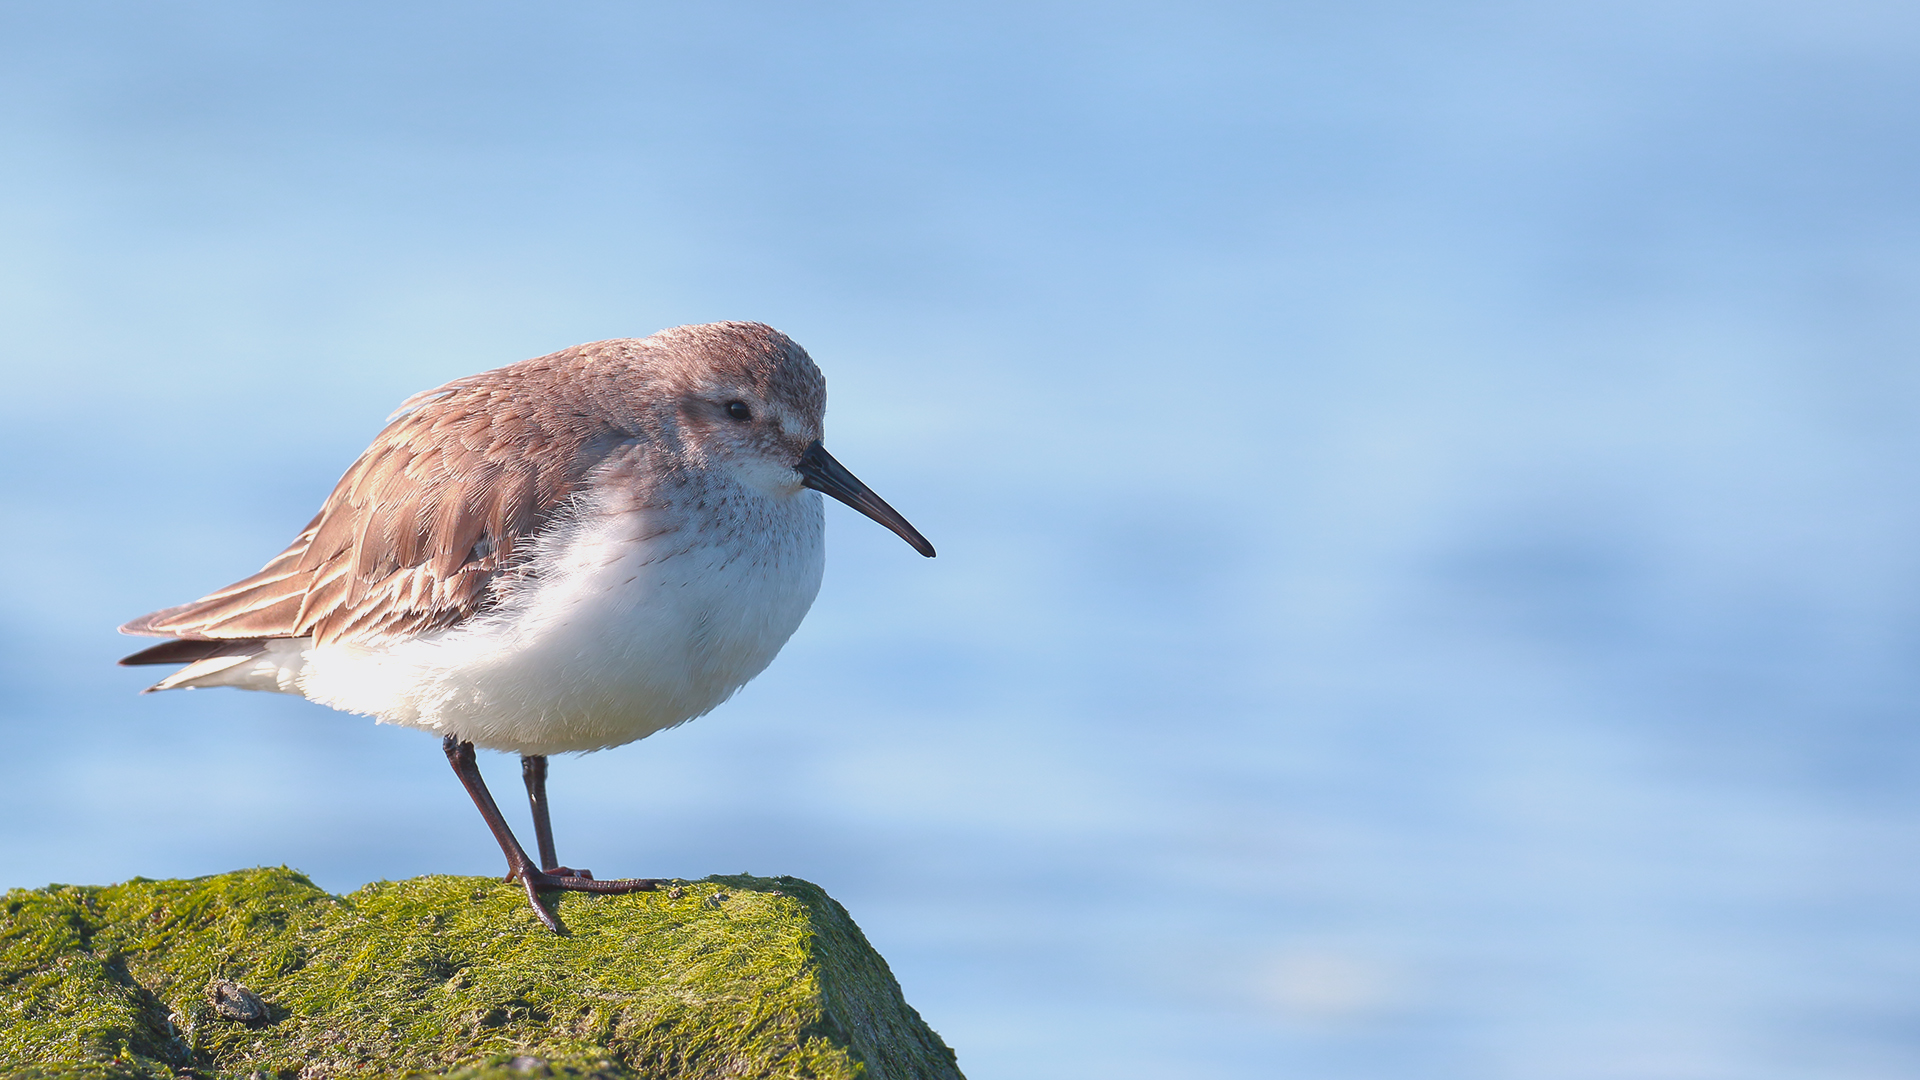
(186, 651)
(438, 514)
(422, 523)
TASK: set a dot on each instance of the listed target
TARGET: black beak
(823, 474)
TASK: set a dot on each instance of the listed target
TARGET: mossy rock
(448, 976)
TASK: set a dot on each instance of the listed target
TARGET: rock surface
(259, 973)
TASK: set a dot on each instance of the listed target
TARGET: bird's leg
(533, 770)
(519, 867)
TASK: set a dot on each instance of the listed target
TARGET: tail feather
(200, 673)
(251, 664)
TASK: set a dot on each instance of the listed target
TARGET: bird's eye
(739, 411)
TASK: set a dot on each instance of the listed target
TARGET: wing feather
(417, 531)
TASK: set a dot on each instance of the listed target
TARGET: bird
(561, 555)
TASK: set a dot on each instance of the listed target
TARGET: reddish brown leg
(533, 771)
(519, 867)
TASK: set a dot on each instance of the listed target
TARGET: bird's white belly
(628, 626)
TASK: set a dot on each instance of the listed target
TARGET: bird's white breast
(634, 618)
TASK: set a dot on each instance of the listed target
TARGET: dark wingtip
(187, 650)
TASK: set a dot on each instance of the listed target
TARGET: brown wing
(417, 529)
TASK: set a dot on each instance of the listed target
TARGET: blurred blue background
(1430, 572)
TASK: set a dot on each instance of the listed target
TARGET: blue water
(1430, 572)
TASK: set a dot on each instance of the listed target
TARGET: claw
(540, 909)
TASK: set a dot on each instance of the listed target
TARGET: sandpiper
(564, 554)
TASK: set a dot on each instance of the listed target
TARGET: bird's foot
(556, 871)
(571, 880)
(566, 879)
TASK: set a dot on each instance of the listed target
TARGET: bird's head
(750, 401)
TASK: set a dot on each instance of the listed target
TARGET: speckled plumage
(566, 553)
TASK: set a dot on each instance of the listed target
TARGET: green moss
(733, 977)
